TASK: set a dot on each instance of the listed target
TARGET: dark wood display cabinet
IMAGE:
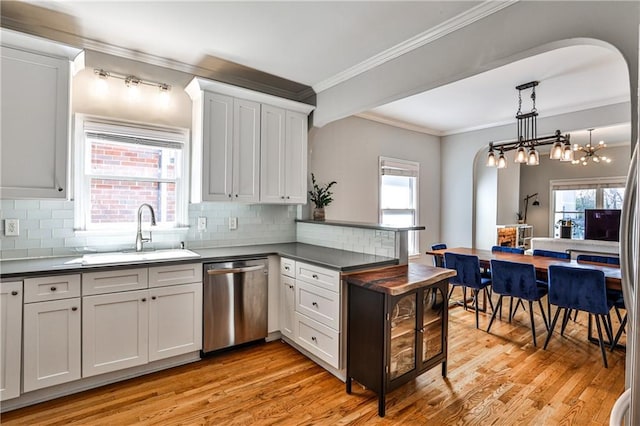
(397, 323)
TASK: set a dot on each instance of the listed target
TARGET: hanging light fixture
(528, 140)
(589, 152)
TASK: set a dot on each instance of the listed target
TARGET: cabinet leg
(348, 383)
(444, 369)
(381, 404)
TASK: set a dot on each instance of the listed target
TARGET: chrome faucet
(139, 238)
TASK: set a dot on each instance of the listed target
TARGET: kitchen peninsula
(397, 326)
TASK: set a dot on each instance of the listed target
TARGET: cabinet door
(432, 330)
(115, 330)
(51, 343)
(35, 125)
(10, 339)
(287, 306)
(402, 348)
(217, 149)
(175, 320)
(272, 166)
(246, 151)
(295, 158)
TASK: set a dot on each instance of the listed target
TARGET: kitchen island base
(397, 322)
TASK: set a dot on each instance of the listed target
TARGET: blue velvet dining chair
(467, 268)
(582, 289)
(615, 296)
(438, 260)
(503, 249)
(551, 253)
(518, 280)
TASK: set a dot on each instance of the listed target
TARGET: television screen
(602, 224)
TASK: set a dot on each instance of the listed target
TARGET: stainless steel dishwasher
(234, 303)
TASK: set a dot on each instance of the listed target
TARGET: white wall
(347, 151)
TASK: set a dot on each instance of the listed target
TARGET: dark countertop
(400, 279)
(340, 260)
(364, 225)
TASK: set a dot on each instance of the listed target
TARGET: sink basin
(126, 257)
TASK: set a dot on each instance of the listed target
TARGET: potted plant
(520, 217)
(321, 197)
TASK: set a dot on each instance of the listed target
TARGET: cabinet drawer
(160, 276)
(288, 267)
(321, 277)
(318, 339)
(318, 303)
(114, 281)
(51, 288)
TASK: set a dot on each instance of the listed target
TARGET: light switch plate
(202, 223)
(11, 227)
(233, 223)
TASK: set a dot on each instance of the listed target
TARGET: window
(571, 197)
(399, 196)
(120, 166)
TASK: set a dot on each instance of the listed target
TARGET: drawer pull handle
(291, 286)
(53, 289)
(315, 340)
(286, 268)
(144, 299)
(153, 297)
(315, 276)
(314, 304)
(75, 308)
(14, 293)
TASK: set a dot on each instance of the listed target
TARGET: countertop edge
(58, 265)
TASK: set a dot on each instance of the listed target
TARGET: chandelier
(528, 140)
(589, 152)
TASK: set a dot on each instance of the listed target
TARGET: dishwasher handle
(234, 270)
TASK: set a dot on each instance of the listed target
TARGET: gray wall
(536, 179)
(347, 151)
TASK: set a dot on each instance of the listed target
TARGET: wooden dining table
(612, 273)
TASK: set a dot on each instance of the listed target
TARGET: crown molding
(460, 21)
(398, 123)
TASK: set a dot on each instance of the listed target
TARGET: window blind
(395, 167)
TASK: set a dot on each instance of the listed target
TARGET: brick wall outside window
(115, 200)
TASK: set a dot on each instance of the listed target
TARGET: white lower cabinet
(51, 343)
(115, 331)
(10, 339)
(175, 320)
(287, 306)
(130, 328)
(311, 309)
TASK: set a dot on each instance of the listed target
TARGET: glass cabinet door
(433, 304)
(403, 336)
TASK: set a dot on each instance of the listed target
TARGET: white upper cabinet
(35, 120)
(247, 146)
(283, 166)
(246, 151)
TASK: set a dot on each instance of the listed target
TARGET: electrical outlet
(11, 227)
(202, 223)
(233, 223)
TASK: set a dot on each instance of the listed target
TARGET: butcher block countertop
(397, 280)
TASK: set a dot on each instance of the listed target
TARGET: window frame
(84, 124)
(599, 184)
(409, 169)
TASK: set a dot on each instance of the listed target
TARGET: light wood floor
(494, 379)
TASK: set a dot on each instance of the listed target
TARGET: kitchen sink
(132, 256)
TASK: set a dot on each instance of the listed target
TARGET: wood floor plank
(493, 379)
